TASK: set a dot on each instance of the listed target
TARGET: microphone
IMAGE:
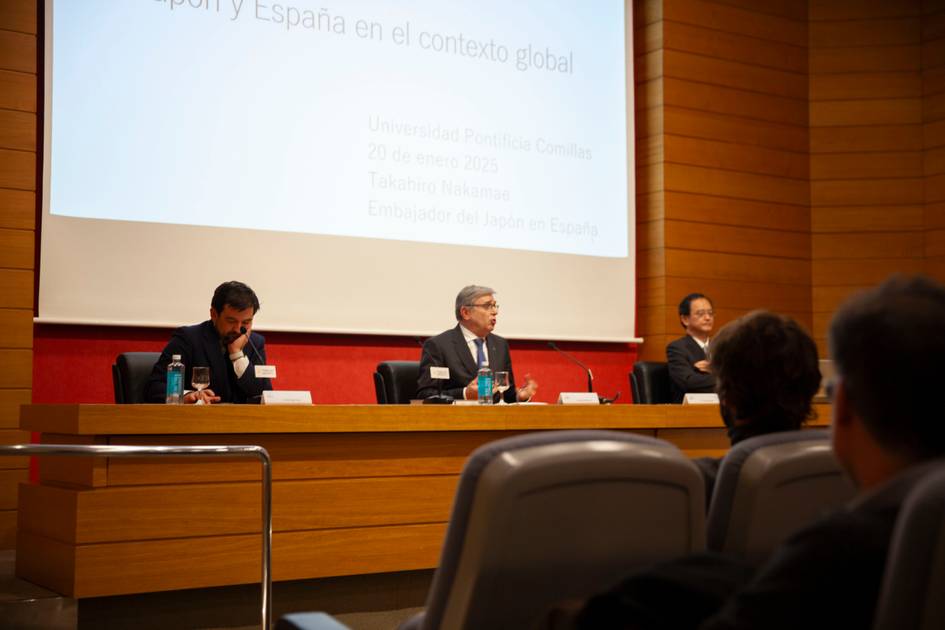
(590, 376)
(607, 401)
(249, 338)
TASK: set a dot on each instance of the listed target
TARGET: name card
(286, 397)
(265, 371)
(700, 399)
(578, 398)
(440, 373)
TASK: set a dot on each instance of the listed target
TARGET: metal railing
(182, 451)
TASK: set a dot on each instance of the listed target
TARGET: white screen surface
(356, 165)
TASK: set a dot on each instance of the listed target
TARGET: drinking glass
(502, 384)
(200, 379)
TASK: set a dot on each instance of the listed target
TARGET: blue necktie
(480, 353)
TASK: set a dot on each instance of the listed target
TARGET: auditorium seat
(649, 383)
(911, 594)
(395, 382)
(541, 517)
(769, 486)
(130, 374)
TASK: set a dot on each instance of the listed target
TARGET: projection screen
(356, 165)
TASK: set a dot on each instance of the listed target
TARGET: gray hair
(466, 296)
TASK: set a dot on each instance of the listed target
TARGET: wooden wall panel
(697, 123)
(859, 59)
(860, 9)
(866, 144)
(18, 153)
(17, 209)
(856, 139)
(933, 124)
(866, 85)
(734, 219)
(750, 20)
(734, 102)
(867, 218)
(850, 31)
(717, 44)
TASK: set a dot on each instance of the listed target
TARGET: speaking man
(221, 343)
(688, 357)
(467, 347)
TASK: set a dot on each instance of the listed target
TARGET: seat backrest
(379, 392)
(770, 485)
(649, 383)
(130, 375)
(914, 581)
(541, 517)
(398, 380)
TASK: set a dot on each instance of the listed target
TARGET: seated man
(886, 434)
(767, 372)
(219, 344)
(688, 357)
(466, 347)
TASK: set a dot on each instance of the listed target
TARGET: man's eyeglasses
(489, 306)
(703, 313)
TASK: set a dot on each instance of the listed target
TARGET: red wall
(72, 364)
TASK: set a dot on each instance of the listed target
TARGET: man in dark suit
(688, 357)
(465, 348)
(222, 344)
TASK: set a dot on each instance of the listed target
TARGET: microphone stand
(590, 376)
(572, 359)
(249, 338)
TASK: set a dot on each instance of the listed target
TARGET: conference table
(357, 489)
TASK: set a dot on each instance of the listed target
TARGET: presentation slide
(355, 163)
(490, 124)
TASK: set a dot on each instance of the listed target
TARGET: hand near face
(238, 343)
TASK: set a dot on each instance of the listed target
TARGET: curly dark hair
(236, 294)
(766, 371)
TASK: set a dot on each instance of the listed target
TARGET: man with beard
(221, 343)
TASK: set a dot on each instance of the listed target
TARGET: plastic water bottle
(175, 381)
(484, 384)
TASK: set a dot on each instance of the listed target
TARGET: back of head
(766, 371)
(887, 345)
(236, 294)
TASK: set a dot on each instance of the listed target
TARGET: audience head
(476, 309)
(696, 314)
(887, 345)
(766, 372)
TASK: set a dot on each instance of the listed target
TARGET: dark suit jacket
(449, 349)
(681, 355)
(199, 345)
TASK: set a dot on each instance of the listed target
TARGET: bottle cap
(176, 357)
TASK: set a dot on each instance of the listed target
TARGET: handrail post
(120, 450)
